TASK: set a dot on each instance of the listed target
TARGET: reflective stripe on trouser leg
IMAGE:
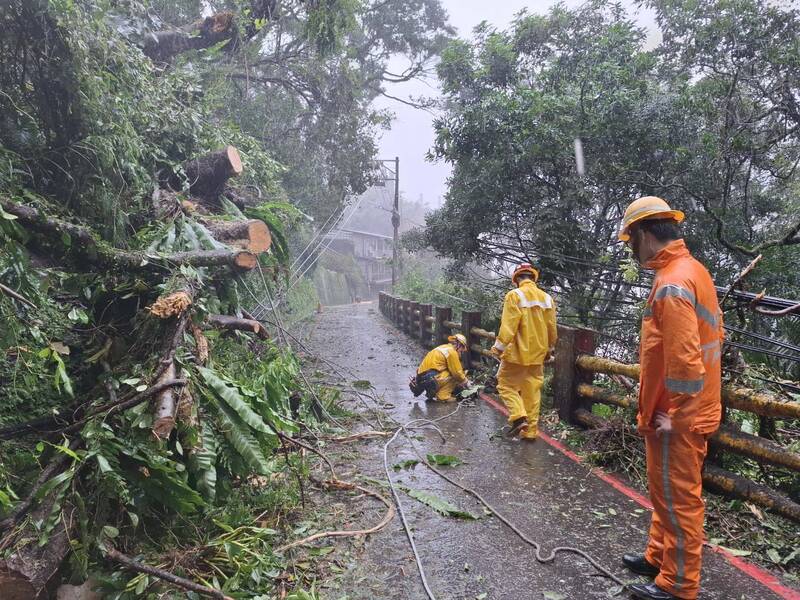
(655, 543)
(532, 397)
(674, 465)
(446, 386)
(509, 383)
(680, 545)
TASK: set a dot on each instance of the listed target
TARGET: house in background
(372, 253)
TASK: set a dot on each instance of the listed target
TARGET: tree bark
(163, 46)
(243, 196)
(166, 404)
(237, 324)
(30, 567)
(729, 484)
(208, 174)
(252, 234)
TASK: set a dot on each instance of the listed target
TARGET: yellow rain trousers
(520, 387)
(527, 331)
(444, 359)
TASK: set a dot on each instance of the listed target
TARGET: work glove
(496, 352)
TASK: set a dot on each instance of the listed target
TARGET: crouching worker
(441, 372)
(526, 339)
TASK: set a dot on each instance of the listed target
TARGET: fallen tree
(84, 245)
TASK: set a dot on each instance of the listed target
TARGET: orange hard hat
(649, 207)
(525, 268)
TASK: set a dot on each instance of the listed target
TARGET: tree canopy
(706, 119)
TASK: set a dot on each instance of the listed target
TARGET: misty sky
(412, 134)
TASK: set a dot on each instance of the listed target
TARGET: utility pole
(396, 223)
(395, 212)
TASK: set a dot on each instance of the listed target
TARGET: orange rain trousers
(674, 466)
(520, 387)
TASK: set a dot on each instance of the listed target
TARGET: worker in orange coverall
(679, 397)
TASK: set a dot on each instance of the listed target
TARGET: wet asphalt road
(554, 500)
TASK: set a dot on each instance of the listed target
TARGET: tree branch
(85, 245)
(135, 565)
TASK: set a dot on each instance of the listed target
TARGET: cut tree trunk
(26, 572)
(208, 174)
(252, 234)
(166, 404)
(238, 324)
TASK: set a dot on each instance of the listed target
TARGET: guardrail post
(470, 319)
(405, 319)
(425, 310)
(440, 332)
(566, 375)
(413, 329)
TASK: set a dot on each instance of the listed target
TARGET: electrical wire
(749, 348)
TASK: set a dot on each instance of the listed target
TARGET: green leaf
(406, 464)
(440, 505)
(103, 463)
(203, 464)
(774, 556)
(231, 396)
(240, 437)
(50, 484)
(553, 596)
(110, 532)
(445, 460)
(736, 551)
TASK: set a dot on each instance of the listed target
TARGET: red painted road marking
(765, 578)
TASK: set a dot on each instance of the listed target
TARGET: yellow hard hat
(649, 207)
(457, 338)
(525, 268)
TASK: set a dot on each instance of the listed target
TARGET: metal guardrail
(574, 393)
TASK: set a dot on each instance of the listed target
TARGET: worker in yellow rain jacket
(526, 339)
(441, 372)
(679, 397)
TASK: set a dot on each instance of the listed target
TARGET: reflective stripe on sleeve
(671, 290)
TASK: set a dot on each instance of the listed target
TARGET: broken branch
(135, 565)
(238, 324)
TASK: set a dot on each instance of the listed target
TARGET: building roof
(367, 233)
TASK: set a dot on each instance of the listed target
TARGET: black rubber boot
(638, 564)
(650, 591)
(516, 426)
